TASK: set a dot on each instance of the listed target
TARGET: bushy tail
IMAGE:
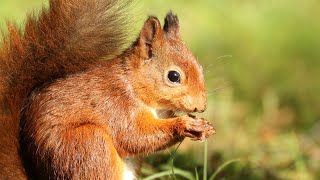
(67, 37)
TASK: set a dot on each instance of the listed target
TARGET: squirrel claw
(197, 129)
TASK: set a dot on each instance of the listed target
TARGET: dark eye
(174, 76)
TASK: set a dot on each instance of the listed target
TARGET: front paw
(194, 127)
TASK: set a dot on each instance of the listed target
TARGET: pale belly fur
(129, 172)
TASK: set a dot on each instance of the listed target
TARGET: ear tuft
(171, 24)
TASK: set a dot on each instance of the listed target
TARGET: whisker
(172, 114)
(208, 66)
(224, 56)
(206, 69)
(218, 89)
(162, 113)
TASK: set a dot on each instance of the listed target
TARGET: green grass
(265, 54)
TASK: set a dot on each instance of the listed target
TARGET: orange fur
(66, 114)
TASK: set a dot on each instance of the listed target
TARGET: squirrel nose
(200, 110)
(201, 104)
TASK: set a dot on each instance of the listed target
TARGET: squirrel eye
(174, 76)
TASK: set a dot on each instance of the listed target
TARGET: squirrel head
(165, 73)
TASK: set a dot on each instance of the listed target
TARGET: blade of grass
(172, 169)
(172, 159)
(205, 157)
(222, 166)
(187, 175)
(196, 172)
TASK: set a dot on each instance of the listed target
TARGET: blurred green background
(262, 69)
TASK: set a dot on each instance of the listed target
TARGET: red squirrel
(69, 112)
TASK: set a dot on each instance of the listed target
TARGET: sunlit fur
(169, 51)
(68, 114)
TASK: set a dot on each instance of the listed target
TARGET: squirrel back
(68, 37)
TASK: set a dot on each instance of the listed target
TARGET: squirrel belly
(69, 111)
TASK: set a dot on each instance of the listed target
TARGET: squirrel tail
(66, 38)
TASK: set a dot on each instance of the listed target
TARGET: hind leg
(83, 152)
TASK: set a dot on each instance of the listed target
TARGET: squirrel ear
(171, 25)
(150, 30)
